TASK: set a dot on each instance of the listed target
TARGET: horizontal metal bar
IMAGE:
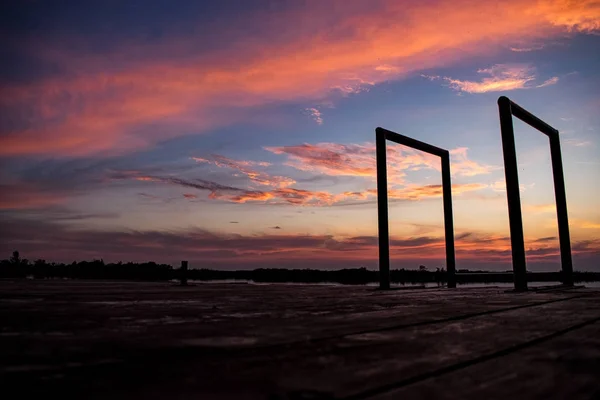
(414, 143)
(529, 118)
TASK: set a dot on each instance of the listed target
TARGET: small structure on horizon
(183, 281)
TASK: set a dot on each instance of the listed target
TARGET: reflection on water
(397, 285)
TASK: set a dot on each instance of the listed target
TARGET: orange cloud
(461, 165)
(540, 208)
(146, 179)
(414, 192)
(285, 195)
(41, 238)
(302, 197)
(573, 15)
(585, 224)
(501, 78)
(85, 111)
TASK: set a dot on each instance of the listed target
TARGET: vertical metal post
(561, 210)
(448, 221)
(183, 271)
(512, 193)
(382, 211)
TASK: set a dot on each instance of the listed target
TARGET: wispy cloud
(551, 81)
(25, 196)
(540, 208)
(359, 160)
(500, 186)
(297, 197)
(585, 224)
(462, 165)
(545, 239)
(149, 196)
(527, 49)
(577, 142)
(316, 115)
(216, 190)
(100, 98)
(331, 158)
(501, 77)
(248, 169)
(300, 197)
(415, 192)
(387, 68)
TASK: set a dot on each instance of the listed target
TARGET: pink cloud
(87, 111)
(359, 160)
(23, 196)
(303, 197)
(316, 115)
(501, 77)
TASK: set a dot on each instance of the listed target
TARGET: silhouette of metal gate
(381, 136)
(507, 109)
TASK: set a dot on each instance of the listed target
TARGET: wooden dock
(78, 339)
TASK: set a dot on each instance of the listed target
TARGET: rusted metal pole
(561, 211)
(382, 210)
(448, 220)
(530, 119)
(512, 193)
(410, 142)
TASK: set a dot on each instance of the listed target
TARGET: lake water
(375, 284)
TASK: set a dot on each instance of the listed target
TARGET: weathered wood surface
(244, 341)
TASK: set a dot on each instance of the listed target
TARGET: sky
(240, 134)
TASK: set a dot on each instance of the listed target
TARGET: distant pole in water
(183, 273)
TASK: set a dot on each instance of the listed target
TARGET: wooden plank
(252, 341)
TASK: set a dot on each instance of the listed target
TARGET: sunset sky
(240, 134)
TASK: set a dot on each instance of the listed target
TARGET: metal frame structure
(507, 110)
(381, 136)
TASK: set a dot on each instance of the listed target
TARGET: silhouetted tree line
(15, 267)
(359, 276)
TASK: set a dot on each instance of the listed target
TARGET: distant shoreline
(153, 272)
